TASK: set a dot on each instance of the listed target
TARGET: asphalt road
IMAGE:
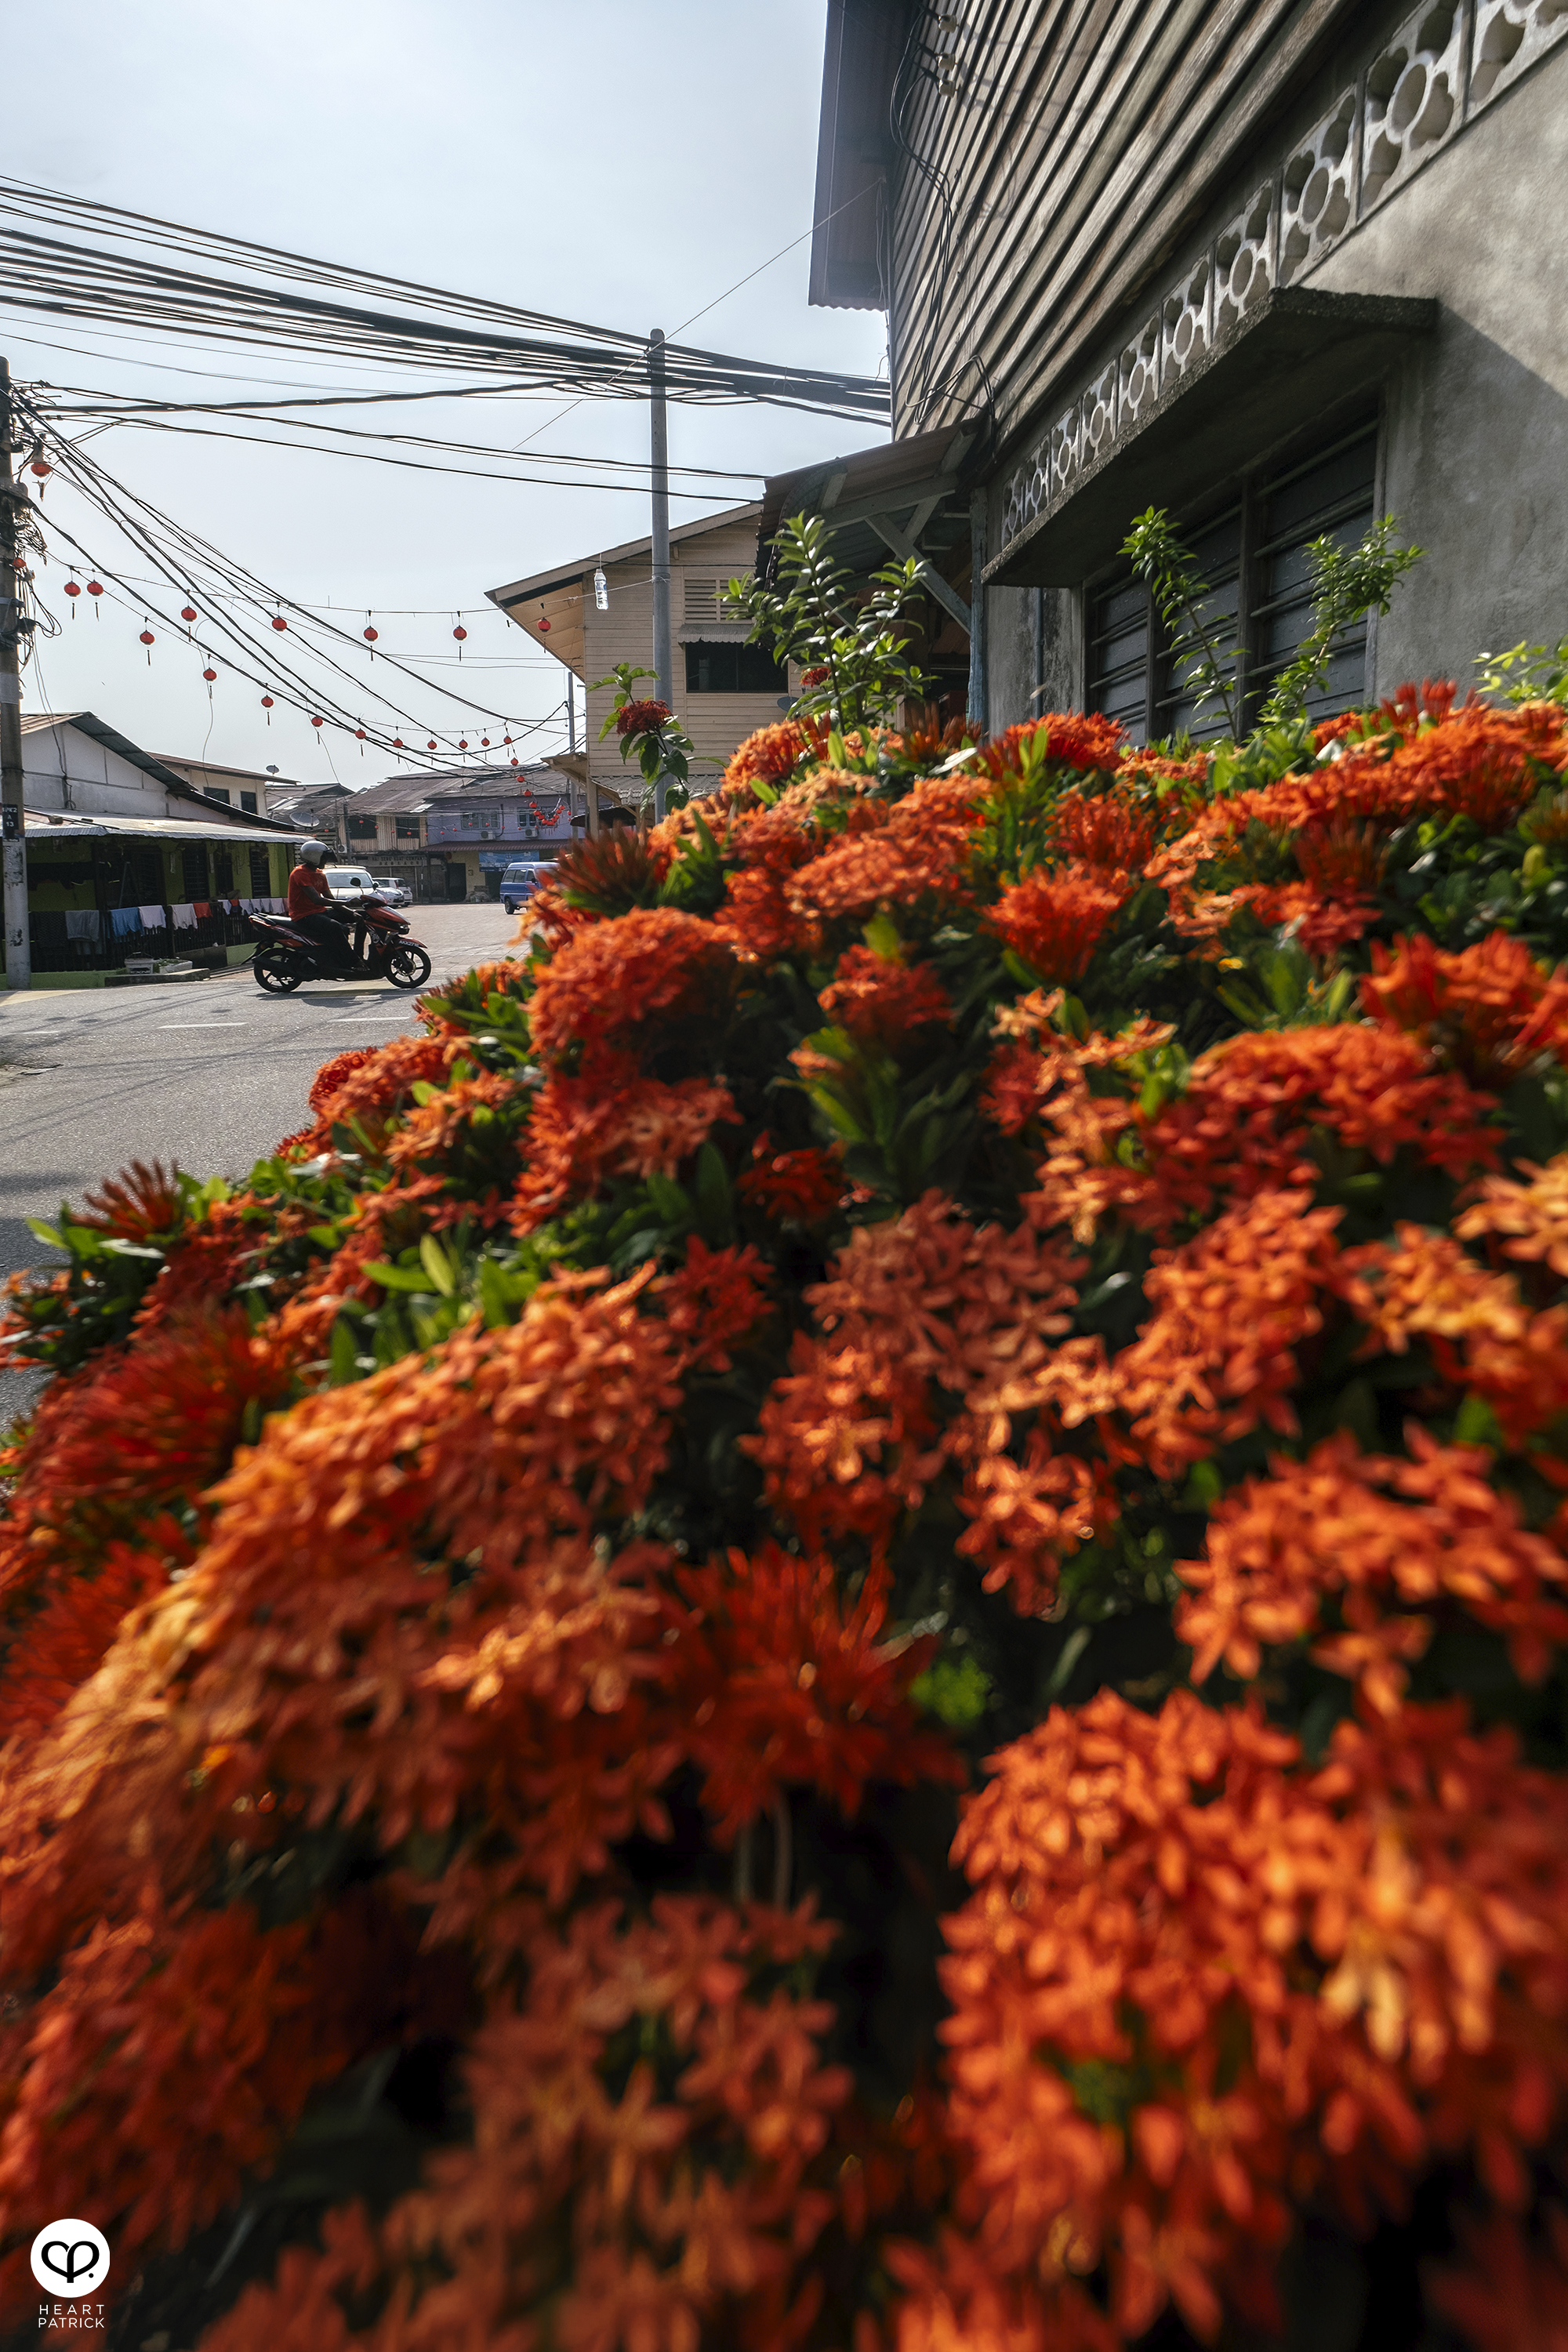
(210, 1075)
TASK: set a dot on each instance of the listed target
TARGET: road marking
(392, 1012)
(204, 1024)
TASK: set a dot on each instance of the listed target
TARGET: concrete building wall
(69, 772)
(1476, 420)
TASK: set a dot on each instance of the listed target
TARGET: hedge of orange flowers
(851, 1603)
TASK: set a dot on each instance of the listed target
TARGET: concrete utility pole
(658, 432)
(13, 837)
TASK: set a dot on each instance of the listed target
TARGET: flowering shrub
(840, 1624)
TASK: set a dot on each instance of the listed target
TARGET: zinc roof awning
(46, 825)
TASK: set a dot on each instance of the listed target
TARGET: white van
(521, 880)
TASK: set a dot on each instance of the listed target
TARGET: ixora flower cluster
(841, 1623)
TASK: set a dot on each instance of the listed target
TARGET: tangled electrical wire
(237, 605)
(529, 348)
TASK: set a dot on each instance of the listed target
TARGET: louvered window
(1253, 553)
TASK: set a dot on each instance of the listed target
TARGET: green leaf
(712, 1187)
(669, 1198)
(343, 1356)
(438, 1266)
(44, 1232)
(396, 1277)
(1476, 1424)
(329, 1237)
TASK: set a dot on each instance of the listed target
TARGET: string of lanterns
(189, 616)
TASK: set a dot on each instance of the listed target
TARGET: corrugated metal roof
(48, 826)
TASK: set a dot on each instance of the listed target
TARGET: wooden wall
(1078, 140)
(716, 722)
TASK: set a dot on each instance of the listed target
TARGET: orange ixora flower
(1488, 1011)
(619, 981)
(1380, 1547)
(1526, 1222)
(784, 1686)
(1244, 1123)
(802, 1186)
(1055, 921)
(1085, 740)
(662, 2200)
(1192, 1978)
(880, 1000)
(641, 717)
(773, 753)
(1110, 830)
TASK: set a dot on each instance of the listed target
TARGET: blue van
(520, 881)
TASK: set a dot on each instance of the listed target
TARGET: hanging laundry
(203, 910)
(122, 920)
(84, 923)
(153, 919)
(185, 917)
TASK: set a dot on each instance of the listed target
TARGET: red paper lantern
(397, 742)
(370, 635)
(359, 732)
(463, 743)
(146, 636)
(506, 739)
(460, 635)
(266, 702)
(484, 742)
(279, 621)
(187, 612)
(543, 627)
(318, 722)
(431, 745)
(209, 675)
(72, 588)
(95, 587)
(42, 467)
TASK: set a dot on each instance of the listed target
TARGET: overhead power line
(440, 328)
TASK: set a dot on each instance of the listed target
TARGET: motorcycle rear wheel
(408, 967)
(277, 972)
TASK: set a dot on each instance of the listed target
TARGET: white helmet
(312, 853)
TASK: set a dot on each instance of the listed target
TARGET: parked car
(522, 880)
(396, 893)
(350, 884)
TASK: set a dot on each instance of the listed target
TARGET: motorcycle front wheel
(408, 967)
(276, 970)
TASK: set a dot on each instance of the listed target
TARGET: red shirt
(308, 892)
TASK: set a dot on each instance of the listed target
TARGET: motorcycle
(380, 949)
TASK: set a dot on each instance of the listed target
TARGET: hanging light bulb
(601, 590)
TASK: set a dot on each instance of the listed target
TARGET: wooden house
(725, 688)
(1278, 267)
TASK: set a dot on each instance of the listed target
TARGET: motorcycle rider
(310, 895)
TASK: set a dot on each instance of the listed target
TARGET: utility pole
(12, 835)
(658, 425)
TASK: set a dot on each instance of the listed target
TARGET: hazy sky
(622, 162)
